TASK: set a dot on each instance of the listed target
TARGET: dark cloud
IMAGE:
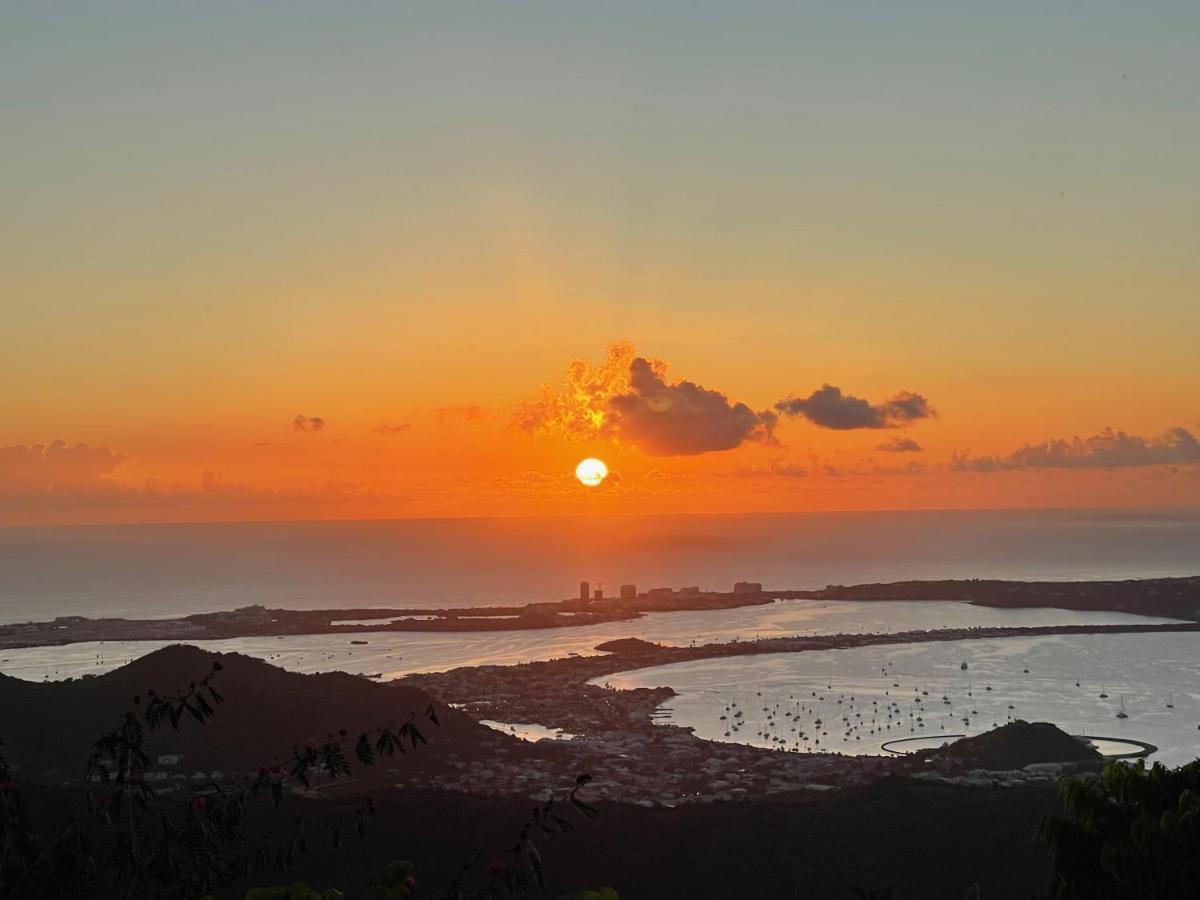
(828, 407)
(900, 445)
(1107, 450)
(391, 429)
(38, 468)
(682, 419)
(307, 423)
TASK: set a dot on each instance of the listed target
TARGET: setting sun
(591, 472)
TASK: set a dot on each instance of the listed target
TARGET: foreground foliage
(1130, 832)
(126, 839)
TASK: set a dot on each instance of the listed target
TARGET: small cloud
(391, 429)
(828, 407)
(307, 423)
(900, 445)
(1107, 450)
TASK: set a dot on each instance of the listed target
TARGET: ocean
(168, 570)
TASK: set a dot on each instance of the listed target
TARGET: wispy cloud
(777, 469)
(468, 412)
(900, 444)
(391, 429)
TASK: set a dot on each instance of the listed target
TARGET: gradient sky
(403, 220)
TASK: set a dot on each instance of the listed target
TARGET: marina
(854, 700)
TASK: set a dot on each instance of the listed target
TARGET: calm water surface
(166, 570)
(867, 695)
(394, 654)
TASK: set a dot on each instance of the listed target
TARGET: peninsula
(1172, 597)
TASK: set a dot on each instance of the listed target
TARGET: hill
(1014, 746)
(49, 728)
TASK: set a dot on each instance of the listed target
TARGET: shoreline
(559, 693)
(1177, 598)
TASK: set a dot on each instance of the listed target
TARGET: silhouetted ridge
(1016, 745)
(50, 727)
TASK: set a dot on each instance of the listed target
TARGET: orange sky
(408, 223)
(517, 457)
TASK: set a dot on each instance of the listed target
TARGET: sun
(591, 471)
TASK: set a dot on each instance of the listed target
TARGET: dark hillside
(1016, 745)
(924, 841)
(49, 728)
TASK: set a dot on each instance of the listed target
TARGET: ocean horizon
(166, 570)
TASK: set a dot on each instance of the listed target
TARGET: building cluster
(587, 595)
(629, 592)
(664, 768)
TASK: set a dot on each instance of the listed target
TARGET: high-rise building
(629, 592)
(598, 594)
(585, 592)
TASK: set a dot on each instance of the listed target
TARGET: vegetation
(125, 839)
(1130, 832)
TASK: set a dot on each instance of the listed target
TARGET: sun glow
(591, 471)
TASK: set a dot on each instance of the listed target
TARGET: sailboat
(1103, 695)
(1170, 701)
(1121, 714)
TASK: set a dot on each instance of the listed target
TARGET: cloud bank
(1107, 450)
(828, 407)
(58, 467)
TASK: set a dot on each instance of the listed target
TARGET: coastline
(559, 693)
(1177, 598)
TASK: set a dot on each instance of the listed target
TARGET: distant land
(1169, 597)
